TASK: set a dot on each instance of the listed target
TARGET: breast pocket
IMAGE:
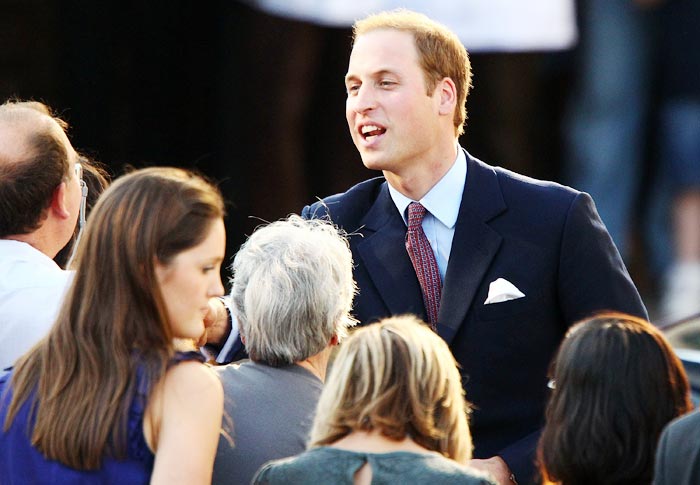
(510, 308)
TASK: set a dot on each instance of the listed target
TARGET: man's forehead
(383, 50)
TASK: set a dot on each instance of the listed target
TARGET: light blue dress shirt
(442, 203)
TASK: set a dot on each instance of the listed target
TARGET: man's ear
(59, 201)
(334, 340)
(448, 96)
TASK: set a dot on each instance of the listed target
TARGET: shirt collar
(12, 249)
(444, 199)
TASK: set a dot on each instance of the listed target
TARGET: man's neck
(35, 240)
(417, 180)
(317, 364)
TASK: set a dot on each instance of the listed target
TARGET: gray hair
(292, 289)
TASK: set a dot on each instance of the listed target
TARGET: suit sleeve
(305, 212)
(318, 210)
(592, 277)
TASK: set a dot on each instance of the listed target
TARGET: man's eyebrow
(375, 74)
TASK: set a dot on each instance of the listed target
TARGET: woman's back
(333, 465)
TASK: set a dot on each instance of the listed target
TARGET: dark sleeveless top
(21, 463)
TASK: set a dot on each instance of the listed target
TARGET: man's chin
(373, 162)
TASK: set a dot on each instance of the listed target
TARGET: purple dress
(21, 463)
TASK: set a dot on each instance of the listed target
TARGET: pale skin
(417, 143)
(186, 408)
(216, 324)
(183, 418)
(402, 130)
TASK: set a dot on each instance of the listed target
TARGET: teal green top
(335, 466)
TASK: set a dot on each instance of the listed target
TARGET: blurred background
(603, 95)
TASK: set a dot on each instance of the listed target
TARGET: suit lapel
(474, 246)
(384, 256)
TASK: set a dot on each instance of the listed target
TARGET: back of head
(399, 378)
(113, 319)
(441, 52)
(292, 290)
(617, 384)
(33, 163)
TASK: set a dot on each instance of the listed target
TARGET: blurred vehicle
(684, 335)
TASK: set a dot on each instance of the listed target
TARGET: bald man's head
(35, 158)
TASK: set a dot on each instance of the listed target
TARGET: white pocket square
(502, 290)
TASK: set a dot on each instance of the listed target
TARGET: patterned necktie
(424, 262)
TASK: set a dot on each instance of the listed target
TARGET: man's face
(393, 122)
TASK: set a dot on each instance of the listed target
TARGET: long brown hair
(617, 383)
(113, 319)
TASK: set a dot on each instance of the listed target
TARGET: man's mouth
(368, 131)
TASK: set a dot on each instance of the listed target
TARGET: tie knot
(415, 214)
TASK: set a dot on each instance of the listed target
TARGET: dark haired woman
(616, 384)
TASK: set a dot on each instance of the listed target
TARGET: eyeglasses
(78, 167)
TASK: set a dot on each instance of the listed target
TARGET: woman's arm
(182, 424)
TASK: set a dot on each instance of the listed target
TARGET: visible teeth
(371, 130)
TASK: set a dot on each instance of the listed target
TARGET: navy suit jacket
(546, 239)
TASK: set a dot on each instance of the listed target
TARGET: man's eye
(353, 88)
(207, 269)
(386, 84)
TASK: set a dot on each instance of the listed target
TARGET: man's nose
(364, 100)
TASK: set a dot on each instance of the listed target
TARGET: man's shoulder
(30, 276)
(253, 375)
(519, 184)
(683, 426)
(492, 191)
(22, 266)
(347, 206)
